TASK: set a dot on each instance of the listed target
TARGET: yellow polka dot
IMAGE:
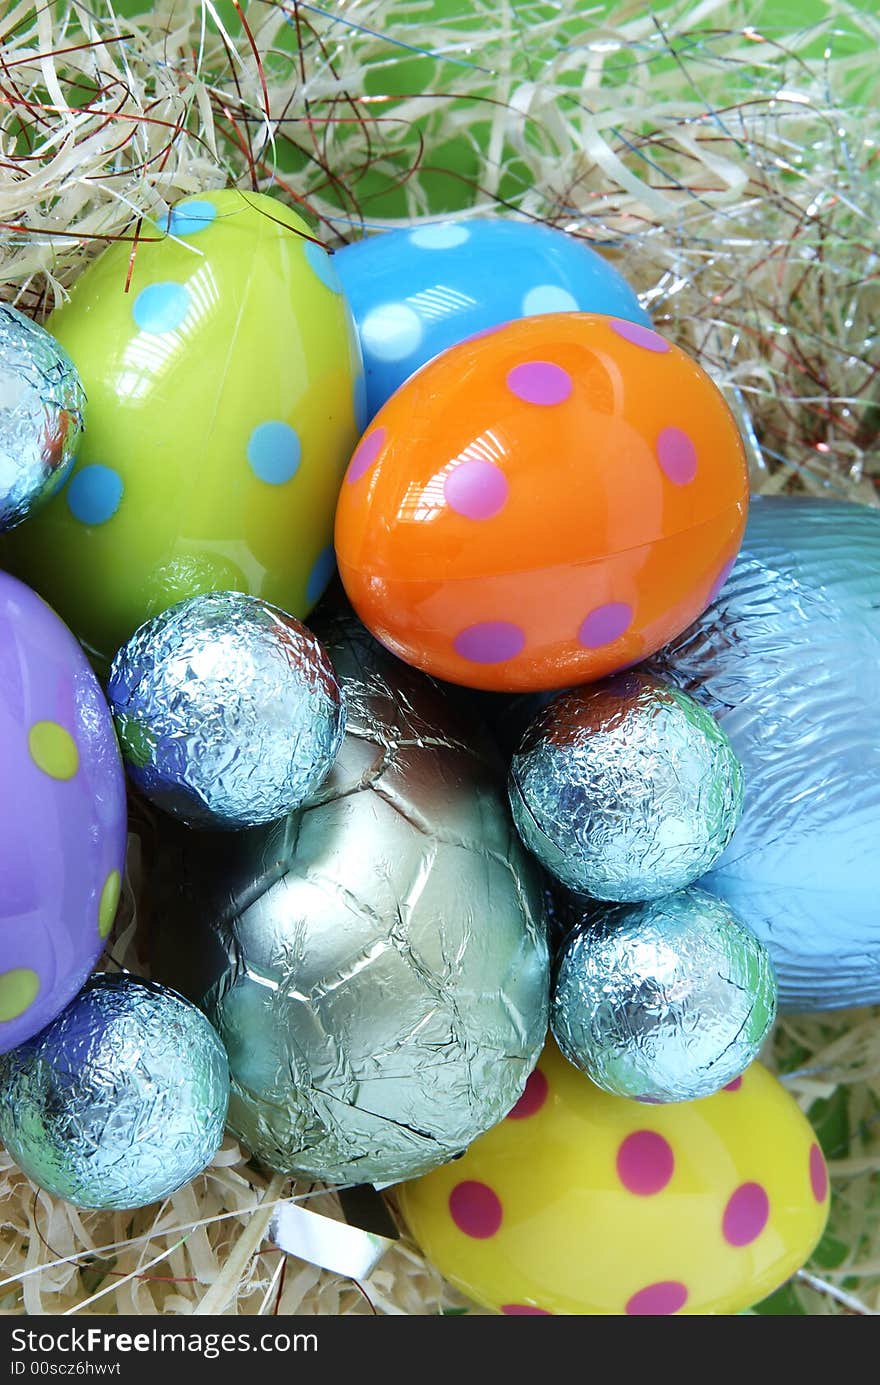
(18, 990)
(53, 750)
(109, 901)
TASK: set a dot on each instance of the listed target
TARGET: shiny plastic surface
(416, 292)
(543, 505)
(225, 396)
(62, 815)
(585, 1203)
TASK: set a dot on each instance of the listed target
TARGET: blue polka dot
(94, 494)
(188, 218)
(322, 264)
(319, 577)
(440, 235)
(161, 307)
(274, 452)
(361, 408)
(548, 298)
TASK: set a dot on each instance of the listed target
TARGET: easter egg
(787, 660)
(375, 963)
(585, 1203)
(416, 292)
(225, 396)
(542, 505)
(62, 815)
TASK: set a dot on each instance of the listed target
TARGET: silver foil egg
(375, 963)
(41, 415)
(664, 1001)
(788, 660)
(120, 1100)
(625, 790)
(228, 711)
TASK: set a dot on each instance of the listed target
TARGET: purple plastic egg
(62, 815)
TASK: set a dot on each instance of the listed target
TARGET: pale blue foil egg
(228, 711)
(41, 415)
(788, 660)
(120, 1100)
(664, 1001)
(415, 292)
(626, 789)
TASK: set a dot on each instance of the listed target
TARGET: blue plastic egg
(416, 292)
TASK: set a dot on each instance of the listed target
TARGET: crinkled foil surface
(375, 963)
(41, 415)
(120, 1100)
(625, 789)
(228, 710)
(788, 660)
(664, 1001)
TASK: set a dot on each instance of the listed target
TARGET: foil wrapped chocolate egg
(626, 790)
(41, 415)
(788, 661)
(120, 1100)
(228, 710)
(664, 1001)
(375, 963)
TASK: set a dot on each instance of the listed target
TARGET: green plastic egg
(225, 394)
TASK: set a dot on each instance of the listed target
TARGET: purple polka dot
(475, 1209)
(721, 579)
(639, 336)
(645, 1163)
(490, 642)
(677, 456)
(733, 1086)
(476, 489)
(524, 1310)
(539, 382)
(533, 1097)
(745, 1215)
(818, 1174)
(366, 454)
(605, 624)
(658, 1300)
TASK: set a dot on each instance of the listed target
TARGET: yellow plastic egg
(225, 395)
(585, 1203)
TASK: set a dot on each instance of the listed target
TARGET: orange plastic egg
(543, 504)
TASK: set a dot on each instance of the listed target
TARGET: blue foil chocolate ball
(664, 1001)
(228, 711)
(41, 415)
(120, 1100)
(625, 790)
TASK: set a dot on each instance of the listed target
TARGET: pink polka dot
(476, 489)
(639, 336)
(475, 1209)
(745, 1215)
(677, 456)
(366, 454)
(533, 1097)
(605, 624)
(524, 1310)
(658, 1300)
(721, 579)
(818, 1174)
(539, 382)
(733, 1086)
(645, 1163)
(490, 642)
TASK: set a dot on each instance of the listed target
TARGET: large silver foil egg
(788, 660)
(375, 963)
(227, 709)
(664, 1001)
(41, 415)
(626, 789)
(120, 1100)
